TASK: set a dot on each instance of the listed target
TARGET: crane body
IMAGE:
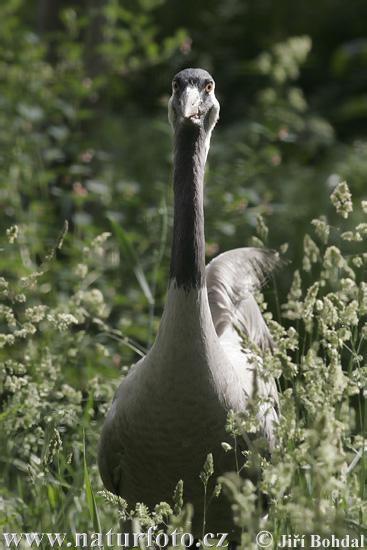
(171, 409)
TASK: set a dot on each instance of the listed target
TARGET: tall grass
(59, 368)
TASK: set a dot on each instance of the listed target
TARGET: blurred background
(84, 133)
(84, 139)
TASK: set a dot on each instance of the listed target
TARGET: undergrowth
(59, 352)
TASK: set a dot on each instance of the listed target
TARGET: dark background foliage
(84, 138)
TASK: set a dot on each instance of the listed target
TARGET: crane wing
(232, 278)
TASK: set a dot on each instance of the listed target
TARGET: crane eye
(209, 87)
(175, 86)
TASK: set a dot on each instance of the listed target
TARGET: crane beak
(190, 101)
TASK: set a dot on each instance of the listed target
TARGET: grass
(59, 366)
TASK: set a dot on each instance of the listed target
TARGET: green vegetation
(85, 162)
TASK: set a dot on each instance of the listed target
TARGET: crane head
(193, 102)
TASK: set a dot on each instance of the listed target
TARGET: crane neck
(187, 268)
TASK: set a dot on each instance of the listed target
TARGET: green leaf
(132, 259)
(89, 406)
(5, 413)
(51, 496)
(93, 510)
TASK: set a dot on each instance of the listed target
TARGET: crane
(170, 410)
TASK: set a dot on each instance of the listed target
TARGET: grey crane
(170, 411)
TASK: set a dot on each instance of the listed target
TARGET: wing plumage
(232, 278)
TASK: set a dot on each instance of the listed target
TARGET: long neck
(187, 268)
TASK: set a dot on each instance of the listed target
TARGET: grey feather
(232, 278)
